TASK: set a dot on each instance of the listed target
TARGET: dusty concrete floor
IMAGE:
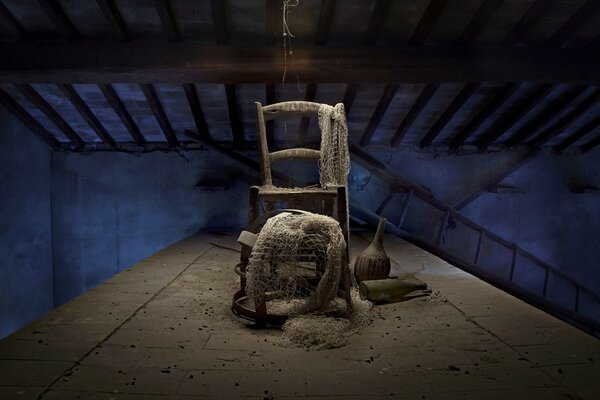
(162, 329)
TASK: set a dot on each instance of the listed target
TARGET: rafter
(113, 16)
(270, 125)
(13, 22)
(529, 19)
(587, 11)
(168, 20)
(35, 127)
(483, 15)
(219, 20)
(518, 111)
(378, 16)
(488, 109)
(59, 18)
(414, 112)
(117, 105)
(349, 96)
(595, 142)
(158, 62)
(497, 176)
(159, 113)
(325, 18)
(191, 95)
(385, 202)
(237, 128)
(458, 101)
(37, 100)
(579, 134)
(84, 110)
(549, 112)
(311, 92)
(273, 25)
(384, 102)
(565, 120)
(427, 22)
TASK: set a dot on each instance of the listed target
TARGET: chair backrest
(267, 113)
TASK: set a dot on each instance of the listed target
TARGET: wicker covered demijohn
(373, 263)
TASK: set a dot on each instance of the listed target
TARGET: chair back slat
(295, 154)
(291, 108)
(272, 111)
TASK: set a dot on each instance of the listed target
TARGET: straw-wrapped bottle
(373, 263)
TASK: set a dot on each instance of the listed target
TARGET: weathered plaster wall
(26, 281)
(544, 217)
(114, 209)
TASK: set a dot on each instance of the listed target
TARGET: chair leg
(260, 306)
(253, 213)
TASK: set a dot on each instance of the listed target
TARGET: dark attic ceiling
(433, 75)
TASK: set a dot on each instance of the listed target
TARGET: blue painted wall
(114, 209)
(70, 221)
(26, 281)
(544, 217)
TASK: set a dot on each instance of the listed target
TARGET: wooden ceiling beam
(380, 12)
(84, 110)
(324, 24)
(31, 123)
(191, 94)
(529, 19)
(455, 105)
(414, 112)
(273, 26)
(587, 11)
(117, 105)
(481, 18)
(13, 22)
(270, 125)
(168, 20)
(37, 100)
(237, 128)
(82, 62)
(59, 18)
(384, 102)
(549, 112)
(497, 176)
(311, 92)
(479, 118)
(113, 16)
(427, 22)
(565, 120)
(579, 134)
(159, 113)
(590, 145)
(518, 111)
(220, 20)
(349, 96)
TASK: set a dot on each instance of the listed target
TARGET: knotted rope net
(296, 263)
(334, 165)
(295, 268)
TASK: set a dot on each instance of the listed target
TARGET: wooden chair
(327, 201)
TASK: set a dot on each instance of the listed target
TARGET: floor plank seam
(133, 314)
(531, 363)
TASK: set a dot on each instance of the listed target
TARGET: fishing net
(328, 330)
(334, 164)
(296, 263)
